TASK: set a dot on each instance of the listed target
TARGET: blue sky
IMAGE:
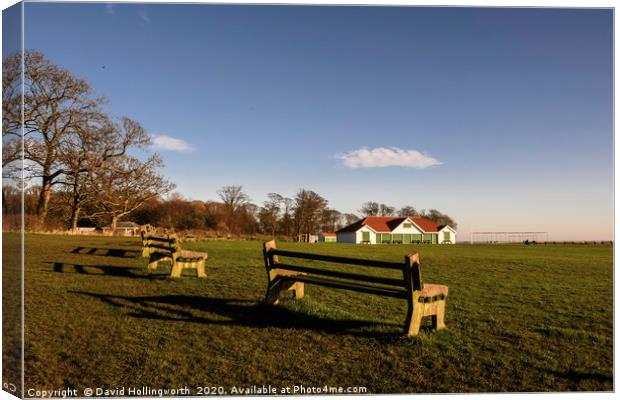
(501, 118)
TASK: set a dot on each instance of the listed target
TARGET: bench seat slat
(190, 259)
(159, 246)
(357, 287)
(335, 259)
(159, 239)
(344, 275)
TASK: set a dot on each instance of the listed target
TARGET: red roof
(388, 224)
(383, 224)
(425, 224)
(326, 234)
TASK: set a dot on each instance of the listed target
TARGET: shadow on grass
(235, 312)
(106, 252)
(577, 377)
(105, 270)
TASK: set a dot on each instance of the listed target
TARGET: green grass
(520, 318)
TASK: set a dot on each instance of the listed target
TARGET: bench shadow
(106, 252)
(104, 270)
(572, 375)
(235, 312)
(575, 376)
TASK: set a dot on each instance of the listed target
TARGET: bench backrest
(148, 228)
(411, 281)
(161, 244)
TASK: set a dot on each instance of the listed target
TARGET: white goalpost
(508, 237)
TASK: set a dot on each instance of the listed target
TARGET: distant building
(329, 237)
(377, 230)
(307, 238)
(86, 229)
(123, 228)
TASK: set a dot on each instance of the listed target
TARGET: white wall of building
(359, 235)
(452, 234)
(401, 228)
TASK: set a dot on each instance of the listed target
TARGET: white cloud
(110, 8)
(387, 157)
(163, 142)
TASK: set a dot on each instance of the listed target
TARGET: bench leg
(414, 319)
(438, 318)
(273, 292)
(145, 252)
(298, 290)
(153, 261)
(176, 270)
(200, 269)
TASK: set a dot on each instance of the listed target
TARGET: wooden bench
(167, 248)
(422, 299)
(146, 232)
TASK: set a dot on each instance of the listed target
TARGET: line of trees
(304, 214)
(372, 208)
(73, 155)
(234, 214)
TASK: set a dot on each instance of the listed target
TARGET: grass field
(520, 318)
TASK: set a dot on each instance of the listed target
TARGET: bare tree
(11, 155)
(287, 221)
(125, 185)
(330, 220)
(269, 214)
(350, 218)
(373, 208)
(11, 115)
(55, 105)
(386, 211)
(234, 200)
(89, 151)
(408, 211)
(248, 218)
(215, 215)
(369, 209)
(308, 210)
(438, 217)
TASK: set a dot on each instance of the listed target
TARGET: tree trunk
(75, 216)
(46, 189)
(44, 199)
(113, 224)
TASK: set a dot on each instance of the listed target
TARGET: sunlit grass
(520, 318)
